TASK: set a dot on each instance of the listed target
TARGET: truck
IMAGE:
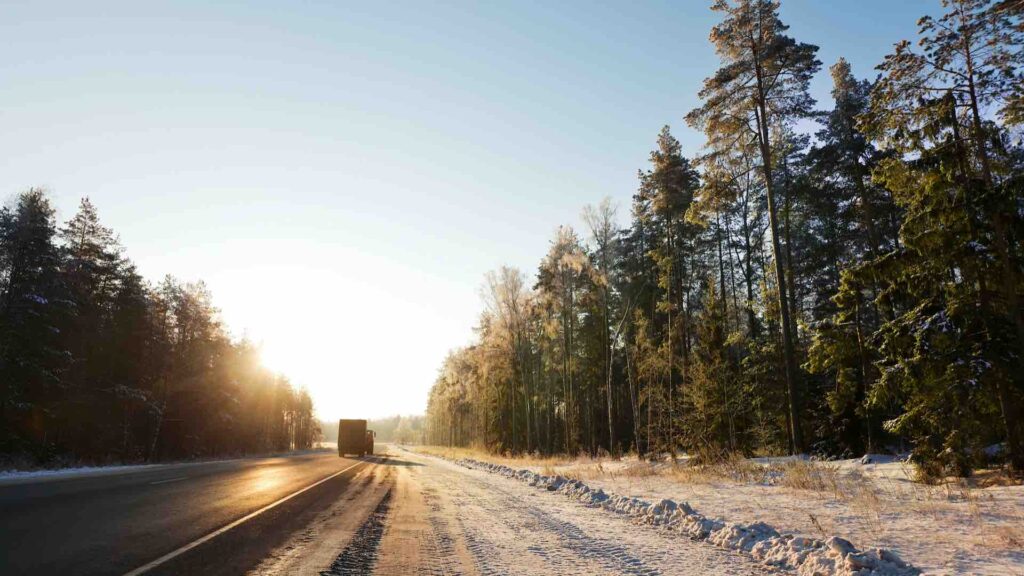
(354, 438)
(370, 435)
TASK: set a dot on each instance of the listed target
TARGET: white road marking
(168, 480)
(219, 531)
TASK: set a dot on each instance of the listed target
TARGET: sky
(343, 174)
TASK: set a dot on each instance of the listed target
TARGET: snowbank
(75, 471)
(807, 556)
(12, 476)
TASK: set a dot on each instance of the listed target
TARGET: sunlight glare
(323, 328)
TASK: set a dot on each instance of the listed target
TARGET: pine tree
(604, 234)
(129, 358)
(670, 185)
(763, 83)
(561, 279)
(91, 273)
(638, 283)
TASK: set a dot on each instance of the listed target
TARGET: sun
(277, 357)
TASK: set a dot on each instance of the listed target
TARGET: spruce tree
(929, 103)
(32, 314)
(91, 273)
(713, 397)
(854, 220)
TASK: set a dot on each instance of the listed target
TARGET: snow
(994, 450)
(804, 555)
(952, 528)
(880, 459)
(9, 475)
(18, 476)
(510, 527)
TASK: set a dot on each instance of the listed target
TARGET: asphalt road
(116, 523)
(393, 514)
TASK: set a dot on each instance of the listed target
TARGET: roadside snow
(807, 556)
(951, 528)
(71, 472)
(17, 476)
(511, 528)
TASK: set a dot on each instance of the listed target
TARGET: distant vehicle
(370, 435)
(354, 438)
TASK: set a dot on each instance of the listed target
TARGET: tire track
(360, 555)
(508, 529)
(442, 545)
(561, 547)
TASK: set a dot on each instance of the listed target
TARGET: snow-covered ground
(947, 529)
(414, 514)
(508, 527)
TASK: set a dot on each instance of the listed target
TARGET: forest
(831, 280)
(397, 428)
(98, 365)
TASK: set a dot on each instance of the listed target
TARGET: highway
(115, 523)
(392, 514)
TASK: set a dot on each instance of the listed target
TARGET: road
(392, 514)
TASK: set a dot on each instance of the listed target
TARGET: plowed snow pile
(807, 556)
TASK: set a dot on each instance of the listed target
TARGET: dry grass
(732, 468)
(514, 461)
(878, 501)
(639, 470)
(980, 514)
(814, 476)
(1010, 536)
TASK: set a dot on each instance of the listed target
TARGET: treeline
(97, 365)
(402, 429)
(855, 288)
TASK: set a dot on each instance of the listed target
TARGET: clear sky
(342, 174)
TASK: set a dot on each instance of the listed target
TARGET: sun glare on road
(266, 479)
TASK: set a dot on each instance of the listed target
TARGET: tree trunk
(796, 436)
(790, 276)
(612, 446)
(1009, 407)
(748, 275)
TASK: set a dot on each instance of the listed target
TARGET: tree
(669, 185)
(933, 98)
(31, 311)
(711, 426)
(853, 220)
(561, 277)
(92, 275)
(887, 254)
(96, 365)
(506, 297)
(604, 234)
(763, 82)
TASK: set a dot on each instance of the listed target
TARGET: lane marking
(168, 480)
(219, 531)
